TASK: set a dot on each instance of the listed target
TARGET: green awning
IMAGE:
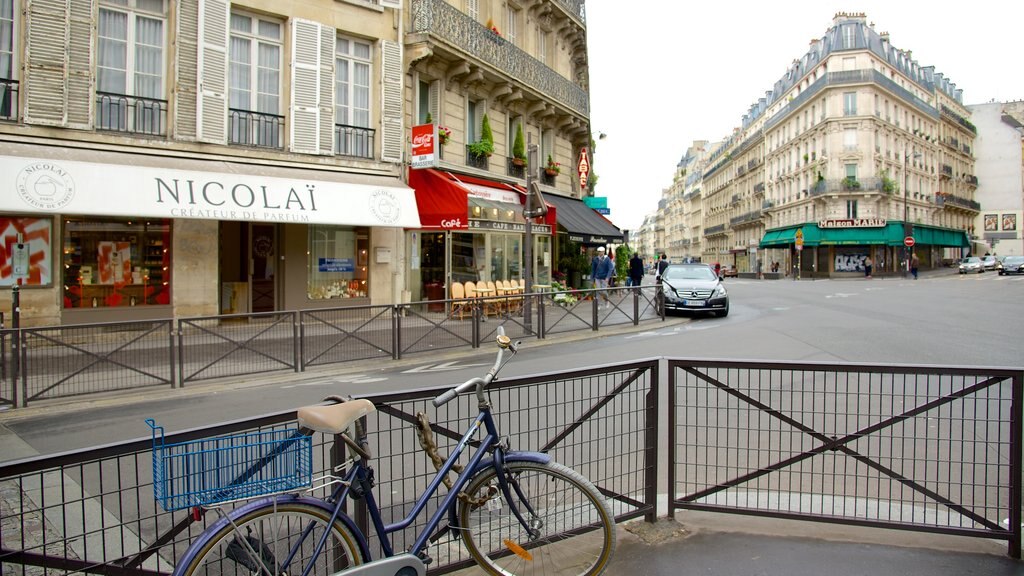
(889, 235)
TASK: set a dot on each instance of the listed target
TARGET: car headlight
(719, 292)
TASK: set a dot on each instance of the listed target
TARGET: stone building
(1000, 170)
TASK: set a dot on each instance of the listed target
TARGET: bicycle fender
(512, 456)
(237, 513)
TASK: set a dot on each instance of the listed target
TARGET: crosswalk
(989, 277)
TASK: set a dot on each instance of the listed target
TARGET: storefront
(581, 230)
(838, 248)
(472, 229)
(120, 236)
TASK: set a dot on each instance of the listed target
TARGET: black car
(1011, 265)
(694, 287)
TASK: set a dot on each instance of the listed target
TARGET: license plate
(693, 302)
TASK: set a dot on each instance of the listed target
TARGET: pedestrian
(601, 270)
(660, 269)
(914, 263)
(867, 267)
(636, 270)
(718, 269)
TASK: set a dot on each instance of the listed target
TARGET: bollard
(16, 341)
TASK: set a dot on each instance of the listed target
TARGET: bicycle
(516, 513)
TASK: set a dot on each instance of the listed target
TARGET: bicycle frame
(359, 475)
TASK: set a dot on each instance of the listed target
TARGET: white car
(971, 264)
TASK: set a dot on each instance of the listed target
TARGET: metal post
(531, 168)
(906, 213)
(16, 342)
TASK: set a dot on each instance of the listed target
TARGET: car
(1011, 265)
(989, 262)
(971, 264)
(730, 272)
(694, 288)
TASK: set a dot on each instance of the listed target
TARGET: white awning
(62, 180)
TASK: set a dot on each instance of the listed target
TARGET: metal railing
(516, 170)
(474, 160)
(9, 102)
(131, 114)
(353, 141)
(260, 129)
(93, 511)
(96, 358)
(925, 448)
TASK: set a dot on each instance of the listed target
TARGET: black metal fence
(94, 358)
(933, 449)
(93, 511)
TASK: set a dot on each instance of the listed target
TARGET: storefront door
(248, 256)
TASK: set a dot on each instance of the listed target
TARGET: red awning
(442, 197)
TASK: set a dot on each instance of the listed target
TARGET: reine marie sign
(853, 223)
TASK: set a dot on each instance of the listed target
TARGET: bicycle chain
(426, 437)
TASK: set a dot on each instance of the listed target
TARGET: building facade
(854, 149)
(1000, 171)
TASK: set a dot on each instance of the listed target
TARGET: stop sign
(908, 241)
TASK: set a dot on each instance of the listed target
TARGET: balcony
(767, 205)
(478, 161)
(759, 188)
(971, 180)
(844, 185)
(451, 28)
(8, 99)
(353, 141)
(259, 129)
(943, 199)
(516, 170)
(713, 230)
(752, 217)
(131, 114)
(945, 171)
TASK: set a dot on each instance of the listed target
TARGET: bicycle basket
(211, 470)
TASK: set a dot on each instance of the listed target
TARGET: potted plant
(552, 168)
(519, 148)
(851, 183)
(443, 134)
(485, 146)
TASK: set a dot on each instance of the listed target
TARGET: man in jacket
(601, 269)
(636, 270)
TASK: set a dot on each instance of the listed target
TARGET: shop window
(32, 261)
(110, 263)
(338, 261)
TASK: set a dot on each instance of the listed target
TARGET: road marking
(352, 379)
(839, 295)
(442, 367)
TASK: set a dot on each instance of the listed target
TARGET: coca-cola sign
(424, 146)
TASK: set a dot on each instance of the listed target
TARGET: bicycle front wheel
(273, 539)
(571, 532)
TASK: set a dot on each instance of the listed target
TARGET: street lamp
(908, 228)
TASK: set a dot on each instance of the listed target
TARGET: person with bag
(601, 270)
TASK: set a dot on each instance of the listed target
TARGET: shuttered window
(130, 66)
(254, 81)
(8, 64)
(391, 120)
(473, 8)
(353, 64)
(511, 23)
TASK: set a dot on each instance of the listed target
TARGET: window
(849, 37)
(36, 234)
(116, 263)
(474, 114)
(849, 103)
(254, 81)
(130, 66)
(542, 46)
(352, 66)
(473, 8)
(511, 23)
(423, 103)
(850, 139)
(8, 85)
(851, 209)
(851, 171)
(338, 260)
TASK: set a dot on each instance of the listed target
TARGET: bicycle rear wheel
(574, 532)
(281, 538)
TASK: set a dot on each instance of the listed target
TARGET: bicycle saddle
(335, 418)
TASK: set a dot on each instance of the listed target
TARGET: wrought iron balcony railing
(516, 170)
(8, 99)
(131, 114)
(353, 141)
(942, 199)
(457, 30)
(475, 160)
(250, 128)
(750, 217)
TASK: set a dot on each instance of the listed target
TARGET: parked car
(694, 287)
(730, 272)
(989, 262)
(1011, 265)
(971, 264)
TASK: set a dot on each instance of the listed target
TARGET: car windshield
(1013, 260)
(689, 273)
(971, 259)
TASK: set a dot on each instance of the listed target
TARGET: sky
(670, 72)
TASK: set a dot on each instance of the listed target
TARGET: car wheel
(722, 313)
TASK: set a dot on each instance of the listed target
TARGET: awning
(445, 199)
(583, 223)
(889, 235)
(37, 178)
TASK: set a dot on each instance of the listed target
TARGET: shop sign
(424, 146)
(336, 265)
(853, 223)
(508, 226)
(583, 168)
(94, 189)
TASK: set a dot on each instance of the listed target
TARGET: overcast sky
(664, 73)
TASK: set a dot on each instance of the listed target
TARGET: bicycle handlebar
(504, 343)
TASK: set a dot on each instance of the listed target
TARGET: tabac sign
(583, 168)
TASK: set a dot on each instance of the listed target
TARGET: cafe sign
(853, 223)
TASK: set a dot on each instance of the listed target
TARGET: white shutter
(186, 78)
(80, 66)
(396, 4)
(434, 101)
(391, 102)
(326, 104)
(304, 136)
(212, 99)
(47, 32)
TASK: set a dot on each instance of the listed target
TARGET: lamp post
(908, 228)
